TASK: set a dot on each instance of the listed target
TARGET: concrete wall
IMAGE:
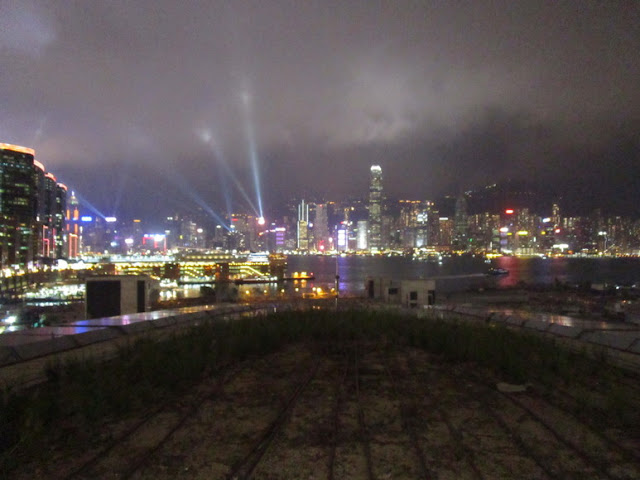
(127, 289)
(408, 293)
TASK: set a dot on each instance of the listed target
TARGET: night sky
(151, 106)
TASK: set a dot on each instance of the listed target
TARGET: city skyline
(41, 225)
(218, 106)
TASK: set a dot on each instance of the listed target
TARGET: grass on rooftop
(85, 393)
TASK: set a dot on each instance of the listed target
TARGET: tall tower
(59, 221)
(375, 208)
(321, 228)
(555, 215)
(460, 224)
(18, 205)
(74, 229)
(303, 226)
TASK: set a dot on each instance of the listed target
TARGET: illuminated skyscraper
(18, 204)
(375, 208)
(555, 215)
(58, 220)
(460, 225)
(361, 239)
(321, 228)
(303, 226)
(74, 228)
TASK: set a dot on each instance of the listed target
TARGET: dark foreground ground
(364, 410)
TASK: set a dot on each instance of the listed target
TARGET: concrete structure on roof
(408, 293)
(113, 295)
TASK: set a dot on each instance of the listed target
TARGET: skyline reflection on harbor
(354, 270)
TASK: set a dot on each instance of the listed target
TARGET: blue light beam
(253, 152)
(88, 204)
(188, 189)
(208, 139)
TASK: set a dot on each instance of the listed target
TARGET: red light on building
(509, 211)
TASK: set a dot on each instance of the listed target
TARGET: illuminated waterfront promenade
(197, 267)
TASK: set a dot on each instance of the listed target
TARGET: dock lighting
(523, 233)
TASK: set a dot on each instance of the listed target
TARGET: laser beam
(208, 138)
(253, 151)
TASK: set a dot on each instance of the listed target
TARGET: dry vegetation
(327, 394)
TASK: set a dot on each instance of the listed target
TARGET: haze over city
(151, 106)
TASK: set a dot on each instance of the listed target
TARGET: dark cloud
(119, 97)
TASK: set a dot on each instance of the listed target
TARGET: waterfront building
(275, 240)
(361, 242)
(422, 222)
(321, 228)
(18, 205)
(188, 233)
(58, 220)
(460, 221)
(73, 227)
(555, 215)
(446, 231)
(98, 234)
(375, 209)
(136, 233)
(244, 232)
(303, 227)
(433, 227)
(50, 215)
(407, 222)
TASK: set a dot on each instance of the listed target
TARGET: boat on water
(497, 271)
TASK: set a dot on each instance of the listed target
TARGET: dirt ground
(365, 411)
